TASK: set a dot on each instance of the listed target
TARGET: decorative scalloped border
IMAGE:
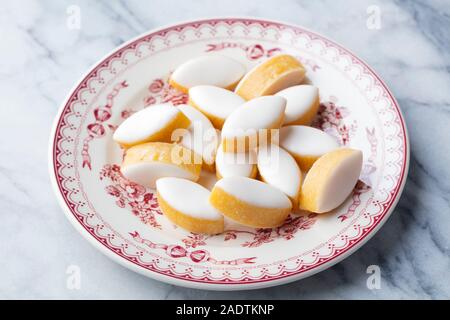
(349, 243)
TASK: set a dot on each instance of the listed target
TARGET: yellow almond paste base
(253, 173)
(319, 173)
(164, 152)
(185, 90)
(216, 121)
(245, 213)
(188, 222)
(294, 200)
(263, 80)
(165, 134)
(210, 167)
(305, 162)
(308, 117)
(249, 142)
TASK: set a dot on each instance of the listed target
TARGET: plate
(122, 219)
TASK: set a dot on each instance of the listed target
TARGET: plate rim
(221, 286)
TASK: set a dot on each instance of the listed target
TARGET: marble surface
(41, 59)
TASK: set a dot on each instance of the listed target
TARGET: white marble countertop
(41, 59)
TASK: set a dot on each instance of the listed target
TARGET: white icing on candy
(200, 136)
(216, 70)
(279, 169)
(187, 197)
(145, 123)
(259, 113)
(230, 164)
(300, 100)
(215, 101)
(306, 141)
(254, 192)
(146, 173)
(341, 183)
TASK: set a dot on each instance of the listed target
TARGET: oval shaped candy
(250, 202)
(214, 102)
(201, 137)
(274, 74)
(154, 123)
(230, 164)
(186, 204)
(146, 163)
(331, 180)
(279, 169)
(302, 104)
(251, 124)
(215, 70)
(306, 144)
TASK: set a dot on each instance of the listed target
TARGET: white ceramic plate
(123, 220)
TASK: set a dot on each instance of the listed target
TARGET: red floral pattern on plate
(143, 204)
(330, 119)
(128, 194)
(197, 256)
(80, 204)
(258, 237)
(253, 52)
(97, 129)
(257, 51)
(159, 91)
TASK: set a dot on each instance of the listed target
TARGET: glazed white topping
(216, 70)
(303, 140)
(230, 164)
(200, 136)
(215, 101)
(146, 173)
(187, 197)
(300, 100)
(195, 116)
(279, 169)
(254, 192)
(256, 114)
(341, 183)
(145, 123)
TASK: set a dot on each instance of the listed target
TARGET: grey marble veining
(41, 59)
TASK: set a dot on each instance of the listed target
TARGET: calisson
(193, 310)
